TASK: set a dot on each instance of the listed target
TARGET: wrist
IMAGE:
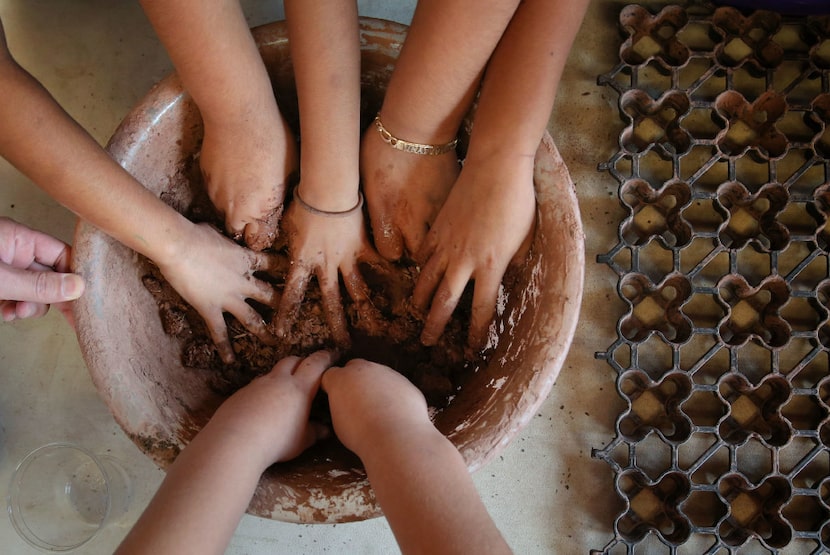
(253, 448)
(506, 148)
(412, 147)
(415, 129)
(251, 105)
(170, 245)
(328, 195)
(384, 441)
(504, 136)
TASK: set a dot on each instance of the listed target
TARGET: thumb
(261, 234)
(314, 365)
(39, 286)
(388, 238)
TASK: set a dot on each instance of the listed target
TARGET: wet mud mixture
(437, 371)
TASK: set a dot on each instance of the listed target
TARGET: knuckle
(445, 298)
(45, 286)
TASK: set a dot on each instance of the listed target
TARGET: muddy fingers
(292, 296)
(444, 301)
(369, 318)
(428, 280)
(253, 322)
(260, 234)
(485, 298)
(218, 331)
(333, 308)
(273, 264)
(264, 293)
(388, 238)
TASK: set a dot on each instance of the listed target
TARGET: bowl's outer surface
(161, 404)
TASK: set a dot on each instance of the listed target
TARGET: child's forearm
(216, 57)
(210, 484)
(421, 473)
(325, 48)
(49, 147)
(435, 80)
(199, 504)
(522, 78)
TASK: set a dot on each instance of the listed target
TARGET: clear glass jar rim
(13, 507)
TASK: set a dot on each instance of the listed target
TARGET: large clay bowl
(160, 404)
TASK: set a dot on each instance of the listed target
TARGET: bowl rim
(125, 143)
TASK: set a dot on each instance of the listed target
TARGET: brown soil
(437, 371)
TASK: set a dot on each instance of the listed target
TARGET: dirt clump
(437, 371)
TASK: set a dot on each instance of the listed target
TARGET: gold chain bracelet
(414, 148)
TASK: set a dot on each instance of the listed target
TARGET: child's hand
(216, 275)
(326, 247)
(209, 485)
(34, 273)
(404, 192)
(486, 223)
(370, 402)
(419, 477)
(271, 414)
(246, 166)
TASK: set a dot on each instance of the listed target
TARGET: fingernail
(428, 339)
(72, 286)
(26, 310)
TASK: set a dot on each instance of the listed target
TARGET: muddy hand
(404, 192)
(326, 247)
(486, 223)
(215, 275)
(272, 412)
(249, 189)
(367, 399)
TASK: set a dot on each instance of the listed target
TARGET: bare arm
(44, 143)
(325, 48)
(47, 145)
(209, 486)
(441, 63)
(431, 89)
(419, 478)
(522, 77)
(488, 219)
(249, 152)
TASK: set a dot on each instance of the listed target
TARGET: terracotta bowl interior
(160, 404)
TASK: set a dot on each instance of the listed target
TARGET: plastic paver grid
(722, 354)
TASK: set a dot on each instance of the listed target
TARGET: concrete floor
(546, 494)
